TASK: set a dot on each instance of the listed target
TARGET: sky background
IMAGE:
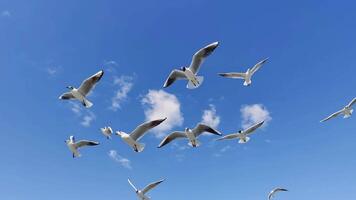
(48, 45)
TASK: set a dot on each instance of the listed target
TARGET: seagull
(81, 93)
(107, 131)
(190, 73)
(247, 75)
(190, 134)
(133, 138)
(274, 191)
(242, 135)
(74, 146)
(142, 193)
(346, 111)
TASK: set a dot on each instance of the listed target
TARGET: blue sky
(47, 45)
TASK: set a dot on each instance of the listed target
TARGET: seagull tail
(191, 85)
(140, 147)
(87, 103)
(244, 140)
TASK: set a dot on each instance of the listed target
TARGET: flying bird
(83, 90)
(107, 131)
(74, 146)
(142, 193)
(133, 138)
(247, 75)
(190, 134)
(274, 191)
(190, 73)
(242, 135)
(346, 111)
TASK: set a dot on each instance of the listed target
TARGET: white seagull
(81, 93)
(107, 131)
(133, 138)
(74, 146)
(142, 193)
(242, 135)
(274, 191)
(247, 75)
(346, 111)
(190, 134)
(190, 73)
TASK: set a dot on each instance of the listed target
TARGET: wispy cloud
(5, 13)
(52, 71)
(159, 104)
(254, 113)
(124, 162)
(222, 150)
(87, 117)
(210, 117)
(124, 84)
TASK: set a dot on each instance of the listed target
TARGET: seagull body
(190, 73)
(142, 193)
(242, 135)
(247, 75)
(190, 134)
(107, 131)
(133, 138)
(346, 111)
(274, 191)
(74, 146)
(84, 89)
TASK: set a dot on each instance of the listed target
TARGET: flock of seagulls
(189, 74)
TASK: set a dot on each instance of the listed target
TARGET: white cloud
(254, 113)
(124, 84)
(5, 13)
(210, 117)
(87, 117)
(119, 159)
(159, 104)
(52, 71)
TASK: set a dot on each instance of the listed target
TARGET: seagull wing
(173, 76)
(132, 185)
(90, 82)
(352, 102)
(332, 115)
(199, 56)
(151, 186)
(201, 128)
(274, 191)
(233, 75)
(143, 128)
(67, 95)
(258, 66)
(169, 138)
(253, 128)
(84, 143)
(229, 137)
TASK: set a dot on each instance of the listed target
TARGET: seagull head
(187, 130)
(240, 131)
(183, 69)
(70, 87)
(119, 133)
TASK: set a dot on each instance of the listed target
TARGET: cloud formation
(210, 117)
(160, 104)
(252, 114)
(124, 162)
(87, 117)
(124, 84)
(5, 13)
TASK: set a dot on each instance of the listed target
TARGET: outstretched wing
(173, 76)
(229, 137)
(143, 128)
(151, 186)
(201, 128)
(200, 56)
(84, 143)
(233, 75)
(352, 102)
(66, 95)
(90, 82)
(169, 138)
(253, 127)
(332, 116)
(132, 185)
(258, 66)
(274, 191)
